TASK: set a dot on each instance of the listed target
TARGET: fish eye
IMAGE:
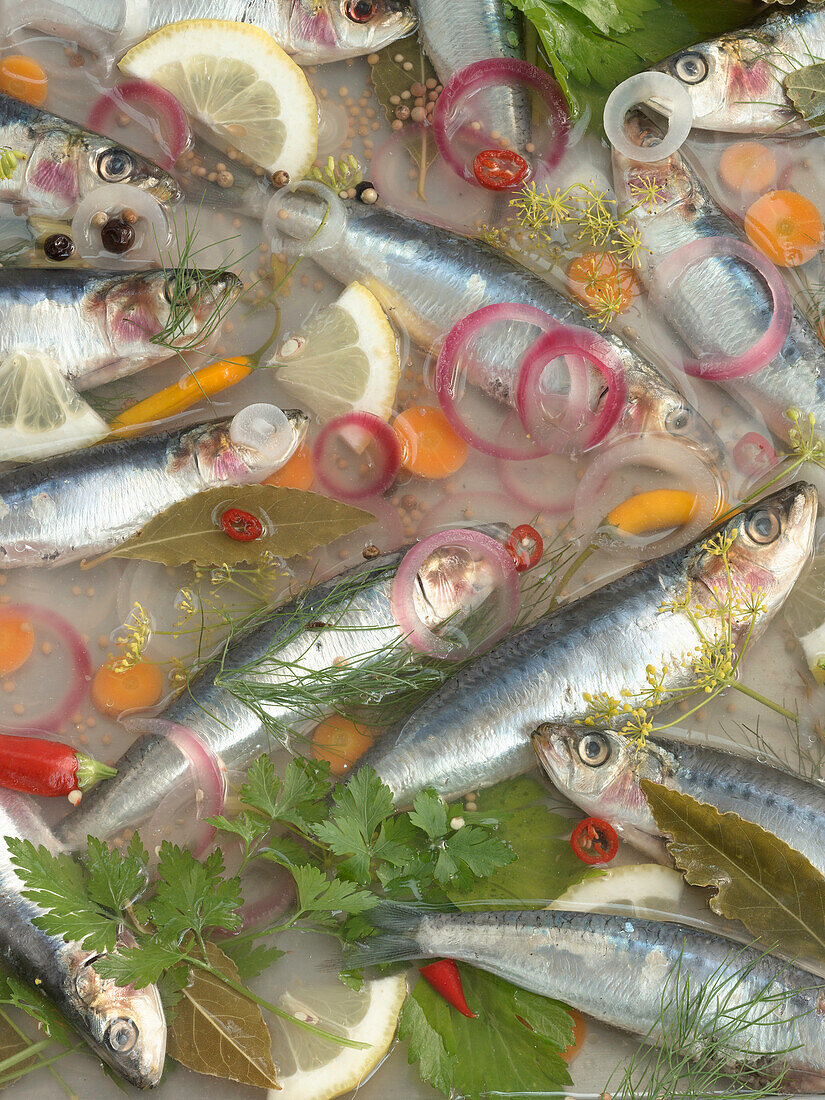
(594, 749)
(360, 11)
(121, 1035)
(691, 68)
(677, 420)
(763, 527)
(115, 165)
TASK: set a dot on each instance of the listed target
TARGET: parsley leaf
(112, 880)
(316, 894)
(192, 895)
(430, 814)
(141, 965)
(251, 959)
(359, 809)
(297, 799)
(426, 1050)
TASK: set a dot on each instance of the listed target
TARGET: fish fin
(397, 938)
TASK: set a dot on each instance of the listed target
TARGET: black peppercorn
(58, 247)
(117, 236)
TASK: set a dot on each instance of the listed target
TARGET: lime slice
(313, 1068)
(639, 890)
(236, 81)
(40, 413)
(344, 359)
(805, 612)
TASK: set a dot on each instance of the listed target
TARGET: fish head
(454, 581)
(330, 30)
(259, 440)
(768, 545)
(125, 1026)
(65, 165)
(160, 311)
(600, 769)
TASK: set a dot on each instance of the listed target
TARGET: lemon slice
(40, 413)
(639, 890)
(313, 1068)
(235, 80)
(805, 612)
(344, 359)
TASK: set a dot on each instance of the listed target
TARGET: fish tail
(397, 928)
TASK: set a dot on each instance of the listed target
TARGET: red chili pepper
(526, 547)
(594, 840)
(34, 765)
(241, 526)
(498, 169)
(445, 979)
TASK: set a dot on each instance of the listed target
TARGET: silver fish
(102, 325)
(475, 730)
(313, 31)
(735, 81)
(124, 1026)
(288, 644)
(723, 305)
(89, 501)
(630, 974)
(428, 279)
(466, 31)
(600, 771)
(64, 162)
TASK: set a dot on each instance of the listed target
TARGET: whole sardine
(735, 81)
(721, 305)
(313, 31)
(461, 33)
(124, 1026)
(89, 501)
(428, 279)
(101, 325)
(64, 162)
(349, 619)
(475, 730)
(600, 770)
(651, 978)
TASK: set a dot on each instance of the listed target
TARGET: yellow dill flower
(137, 630)
(647, 191)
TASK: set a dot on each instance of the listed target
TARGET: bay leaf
(805, 89)
(759, 879)
(390, 78)
(298, 522)
(219, 1032)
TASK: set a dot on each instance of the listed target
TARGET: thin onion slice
(676, 266)
(150, 105)
(356, 456)
(667, 96)
(572, 431)
(488, 600)
(72, 648)
(754, 455)
(458, 364)
(460, 137)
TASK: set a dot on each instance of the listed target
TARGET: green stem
(24, 1055)
(766, 702)
(574, 566)
(21, 1033)
(7, 1078)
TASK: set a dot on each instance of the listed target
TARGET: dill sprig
(338, 176)
(137, 630)
(807, 445)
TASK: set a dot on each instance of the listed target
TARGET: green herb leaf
(429, 814)
(296, 799)
(298, 522)
(359, 808)
(805, 88)
(316, 894)
(192, 895)
(390, 78)
(761, 881)
(220, 1032)
(251, 959)
(495, 1052)
(112, 880)
(141, 965)
(470, 853)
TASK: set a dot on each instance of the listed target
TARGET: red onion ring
(357, 424)
(584, 344)
(754, 455)
(81, 672)
(546, 485)
(171, 130)
(446, 374)
(674, 266)
(482, 74)
(416, 632)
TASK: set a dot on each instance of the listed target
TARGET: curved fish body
(721, 306)
(89, 501)
(601, 771)
(313, 31)
(475, 730)
(631, 974)
(102, 325)
(123, 1026)
(64, 162)
(428, 279)
(735, 81)
(348, 619)
(463, 32)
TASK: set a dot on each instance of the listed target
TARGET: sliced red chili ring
(500, 169)
(241, 526)
(594, 841)
(525, 546)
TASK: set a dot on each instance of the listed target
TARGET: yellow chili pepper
(181, 395)
(656, 510)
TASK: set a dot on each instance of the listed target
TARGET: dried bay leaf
(299, 522)
(805, 89)
(759, 879)
(390, 78)
(218, 1031)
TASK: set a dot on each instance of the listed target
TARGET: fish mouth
(551, 757)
